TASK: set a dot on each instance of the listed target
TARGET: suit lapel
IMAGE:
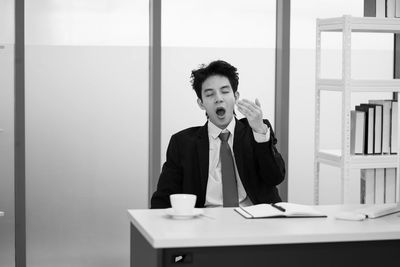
(238, 149)
(202, 144)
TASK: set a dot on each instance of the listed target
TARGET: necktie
(229, 186)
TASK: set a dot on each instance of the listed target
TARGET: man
(200, 159)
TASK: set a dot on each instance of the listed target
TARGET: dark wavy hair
(218, 67)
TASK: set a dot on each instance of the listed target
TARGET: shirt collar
(214, 130)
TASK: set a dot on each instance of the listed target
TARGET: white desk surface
(225, 227)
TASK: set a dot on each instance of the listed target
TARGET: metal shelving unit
(341, 158)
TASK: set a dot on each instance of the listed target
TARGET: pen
(278, 207)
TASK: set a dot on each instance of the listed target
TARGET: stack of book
(374, 128)
(374, 132)
(382, 8)
(378, 186)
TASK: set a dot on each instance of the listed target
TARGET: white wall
(372, 58)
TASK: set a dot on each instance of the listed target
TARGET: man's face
(218, 100)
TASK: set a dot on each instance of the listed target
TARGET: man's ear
(237, 95)
(200, 103)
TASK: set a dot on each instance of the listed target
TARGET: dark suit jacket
(260, 165)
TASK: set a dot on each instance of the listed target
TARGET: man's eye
(208, 95)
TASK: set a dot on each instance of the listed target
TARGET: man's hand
(253, 113)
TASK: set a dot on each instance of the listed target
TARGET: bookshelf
(350, 165)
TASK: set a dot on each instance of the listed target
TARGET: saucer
(195, 213)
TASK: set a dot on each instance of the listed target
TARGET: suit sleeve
(271, 166)
(170, 181)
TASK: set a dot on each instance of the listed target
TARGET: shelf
(392, 85)
(334, 158)
(360, 24)
(347, 163)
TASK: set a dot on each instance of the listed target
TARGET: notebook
(371, 211)
(379, 210)
(279, 210)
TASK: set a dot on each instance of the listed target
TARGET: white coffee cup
(183, 204)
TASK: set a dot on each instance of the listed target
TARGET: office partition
(86, 129)
(7, 251)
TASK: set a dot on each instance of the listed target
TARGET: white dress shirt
(214, 184)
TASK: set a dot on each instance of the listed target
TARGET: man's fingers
(250, 106)
(258, 103)
(245, 111)
(244, 107)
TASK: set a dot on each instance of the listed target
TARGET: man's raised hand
(253, 113)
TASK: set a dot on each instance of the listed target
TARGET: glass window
(196, 32)
(7, 242)
(86, 129)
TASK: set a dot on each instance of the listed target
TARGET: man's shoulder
(190, 132)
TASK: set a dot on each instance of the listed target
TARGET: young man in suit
(200, 159)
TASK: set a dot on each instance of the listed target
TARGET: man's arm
(170, 181)
(270, 163)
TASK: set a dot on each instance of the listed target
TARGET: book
(279, 210)
(387, 106)
(368, 212)
(390, 8)
(369, 128)
(380, 8)
(374, 8)
(377, 127)
(397, 8)
(367, 186)
(375, 211)
(357, 132)
(379, 186)
(393, 128)
(369, 8)
(390, 185)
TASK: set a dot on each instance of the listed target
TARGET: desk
(224, 238)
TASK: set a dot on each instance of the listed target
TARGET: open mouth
(220, 112)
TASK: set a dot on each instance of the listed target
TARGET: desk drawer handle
(182, 258)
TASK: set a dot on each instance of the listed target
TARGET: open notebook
(281, 209)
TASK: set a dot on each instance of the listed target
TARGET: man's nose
(218, 97)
